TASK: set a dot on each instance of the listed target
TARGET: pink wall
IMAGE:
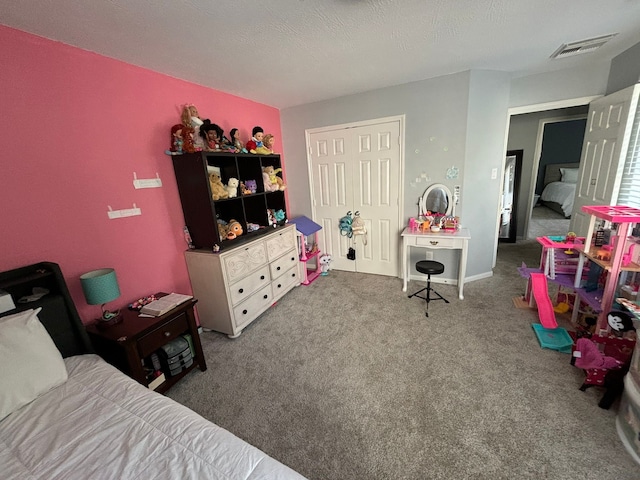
(76, 126)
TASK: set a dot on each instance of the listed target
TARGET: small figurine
(256, 139)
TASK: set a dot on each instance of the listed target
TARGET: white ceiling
(291, 52)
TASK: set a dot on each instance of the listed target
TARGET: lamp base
(101, 323)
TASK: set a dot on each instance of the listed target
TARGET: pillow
(31, 363)
(569, 175)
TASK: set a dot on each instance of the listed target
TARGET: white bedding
(562, 193)
(100, 424)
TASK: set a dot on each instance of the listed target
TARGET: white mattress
(101, 424)
(562, 193)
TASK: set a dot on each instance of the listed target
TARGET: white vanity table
(458, 240)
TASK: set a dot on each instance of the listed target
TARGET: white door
(603, 151)
(358, 169)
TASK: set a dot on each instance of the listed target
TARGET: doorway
(509, 203)
(359, 168)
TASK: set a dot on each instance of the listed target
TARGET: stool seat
(429, 267)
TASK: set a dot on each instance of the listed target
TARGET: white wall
(625, 69)
(560, 85)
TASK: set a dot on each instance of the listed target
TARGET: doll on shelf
(256, 139)
(210, 133)
(235, 140)
(267, 145)
(188, 145)
(176, 140)
(225, 144)
(190, 118)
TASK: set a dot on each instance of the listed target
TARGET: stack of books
(164, 304)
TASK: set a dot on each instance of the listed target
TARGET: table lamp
(99, 287)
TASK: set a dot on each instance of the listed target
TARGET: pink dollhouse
(307, 231)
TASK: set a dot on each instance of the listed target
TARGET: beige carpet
(545, 221)
(347, 379)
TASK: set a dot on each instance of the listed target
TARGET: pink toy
(541, 294)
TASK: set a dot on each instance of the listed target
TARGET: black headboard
(59, 315)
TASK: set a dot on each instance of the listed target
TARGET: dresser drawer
(243, 288)
(284, 263)
(161, 335)
(281, 242)
(439, 242)
(283, 284)
(252, 307)
(241, 262)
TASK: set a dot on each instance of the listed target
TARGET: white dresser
(235, 286)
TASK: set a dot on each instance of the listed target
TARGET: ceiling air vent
(583, 46)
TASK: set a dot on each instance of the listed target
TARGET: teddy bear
(272, 182)
(232, 187)
(218, 191)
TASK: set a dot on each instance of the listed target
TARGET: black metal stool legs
(428, 267)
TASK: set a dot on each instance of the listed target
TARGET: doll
(187, 140)
(176, 140)
(191, 118)
(210, 133)
(235, 139)
(256, 139)
(267, 145)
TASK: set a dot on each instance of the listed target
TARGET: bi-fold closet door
(358, 169)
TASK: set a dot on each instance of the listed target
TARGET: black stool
(429, 267)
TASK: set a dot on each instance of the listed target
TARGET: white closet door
(358, 169)
(603, 151)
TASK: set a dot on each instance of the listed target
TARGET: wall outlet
(428, 255)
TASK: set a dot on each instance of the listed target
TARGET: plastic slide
(541, 294)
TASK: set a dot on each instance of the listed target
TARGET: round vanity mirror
(437, 198)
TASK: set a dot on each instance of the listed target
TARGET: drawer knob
(279, 285)
(278, 268)
(244, 312)
(241, 290)
(266, 296)
(293, 274)
(167, 334)
(293, 258)
(433, 242)
(261, 277)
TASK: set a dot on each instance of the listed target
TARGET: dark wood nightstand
(126, 344)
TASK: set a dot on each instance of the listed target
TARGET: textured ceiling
(291, 52)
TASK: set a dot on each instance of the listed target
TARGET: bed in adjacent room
(67, 414)
(559, 190)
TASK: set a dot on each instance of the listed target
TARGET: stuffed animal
(232, 187)
(251, 185)
(234, 229)
(272, 182)
(324, 260)
(218, 191)
(244, 190)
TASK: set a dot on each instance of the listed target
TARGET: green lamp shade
(100, 286)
